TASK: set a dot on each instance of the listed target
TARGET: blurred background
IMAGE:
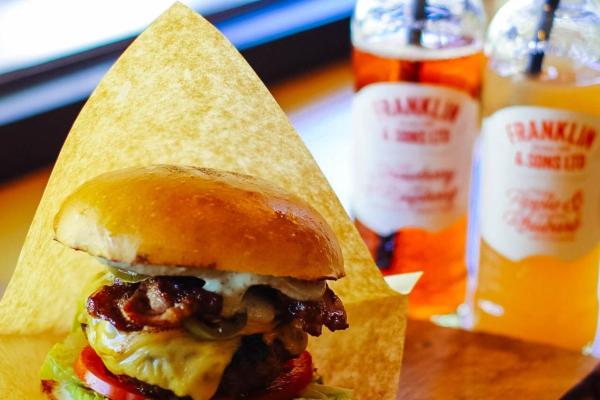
(53, 53)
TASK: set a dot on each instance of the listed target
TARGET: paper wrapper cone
(181, 94)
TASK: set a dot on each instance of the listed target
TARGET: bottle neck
(418, 29)
(527, 42)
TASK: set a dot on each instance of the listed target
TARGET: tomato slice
(298, 374)
(91, 370)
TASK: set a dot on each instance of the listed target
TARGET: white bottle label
(540, 182)
(412, 152)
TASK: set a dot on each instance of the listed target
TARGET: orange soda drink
(539, 252)
(415, 118)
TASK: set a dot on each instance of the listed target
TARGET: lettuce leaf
(317, 391)
(58, 367)
(73, 391)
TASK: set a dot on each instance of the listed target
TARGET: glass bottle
(418, 70)
(540, 175)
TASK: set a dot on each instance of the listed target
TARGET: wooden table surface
(443, 363)
(439, 363)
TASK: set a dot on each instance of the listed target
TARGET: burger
(212, 283)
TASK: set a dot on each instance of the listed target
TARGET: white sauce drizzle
(231, 285)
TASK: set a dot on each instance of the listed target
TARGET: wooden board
(442, 363)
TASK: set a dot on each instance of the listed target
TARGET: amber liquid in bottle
(439, 255)
(541, 298)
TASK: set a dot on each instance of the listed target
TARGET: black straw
(542, 35)
(416, 31)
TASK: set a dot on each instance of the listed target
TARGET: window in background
(54, 52)
(34, 32)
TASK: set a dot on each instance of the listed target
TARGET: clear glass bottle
(539, 251)
(418, 70)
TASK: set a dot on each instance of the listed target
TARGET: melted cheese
(171, 359)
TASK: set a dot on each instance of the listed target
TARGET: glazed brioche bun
(198, 218)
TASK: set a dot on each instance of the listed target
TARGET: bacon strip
(165, 301)
(161, 302)
(105, 304)
(328, 311)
